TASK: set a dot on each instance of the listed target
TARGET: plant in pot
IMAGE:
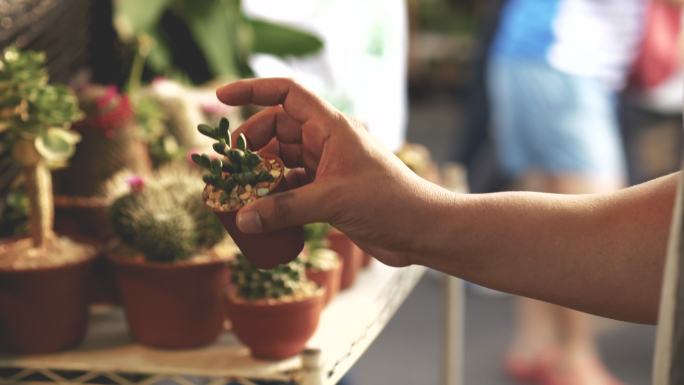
(239, 176)
(322, 265)
(350, 254)
(169, 272)
(43, 278)
(109, 144)
(274, 312)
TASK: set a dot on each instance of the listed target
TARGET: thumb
(296, 207)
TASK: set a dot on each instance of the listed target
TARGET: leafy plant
(224, 36)
(35, 120)
(283, 280)
(316, 234)
(240, 165)
(164, 218)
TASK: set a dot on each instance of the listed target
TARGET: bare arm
(599, 253)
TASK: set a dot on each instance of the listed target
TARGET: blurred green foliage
(224, 35)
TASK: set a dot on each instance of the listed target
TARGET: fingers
(306, 204)
(297, 101)
(271, 122)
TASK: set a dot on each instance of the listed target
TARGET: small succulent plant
(235, 166)
(316, 235)
(320, 259)
(164, 218)
(282, 281)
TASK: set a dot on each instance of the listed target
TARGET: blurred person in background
(554, 74)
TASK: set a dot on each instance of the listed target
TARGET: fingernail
(249, 221)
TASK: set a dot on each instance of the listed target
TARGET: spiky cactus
(165, 218)
(239, 166)
(282, 281)
(35, 118)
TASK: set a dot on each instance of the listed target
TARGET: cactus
(316, 235)
(165, 219)
(288, 280)
(239, 166)
(320, 259)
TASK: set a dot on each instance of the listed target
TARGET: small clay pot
(275, 331)
(327, 279)
(44, 310)
(350, 255)
(266, 250)
(172, 305)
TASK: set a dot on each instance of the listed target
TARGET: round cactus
(164, 218)
(282, 281)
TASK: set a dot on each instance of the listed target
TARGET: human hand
(340, 175)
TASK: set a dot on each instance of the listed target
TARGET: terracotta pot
(44, 310)
(327, 279)
(350, 255)
(83, 216)
(172, 305)
(275, 331)
(266, 250)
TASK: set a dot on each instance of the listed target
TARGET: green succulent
(255, 284)
(34, 110)
(319, 259)
(237, 166)
(316, 235)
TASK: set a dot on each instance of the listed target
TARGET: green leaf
(220, 148)
(283, 41)
(223, 131)
(216, 166)
(139, 15)
(229, 168)
(207, 130)
(57, 144)
(242, 142)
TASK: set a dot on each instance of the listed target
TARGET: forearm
(599, 253)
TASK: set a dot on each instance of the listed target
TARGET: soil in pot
(275, 329)
(350, 255)
(44, 295)
(173, 305)
(265, 250)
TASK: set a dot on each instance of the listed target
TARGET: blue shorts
(546, 120)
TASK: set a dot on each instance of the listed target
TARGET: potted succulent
(350, 254)
(109, 144)
(43, 278)
(274, 312)
(239, 176)
(322, 265)
(170, 275)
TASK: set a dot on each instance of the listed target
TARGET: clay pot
(83, 216)
(275, 331)
(327, 279)
(44, 310)
(266, 250)
(350, 255)
(172, 305)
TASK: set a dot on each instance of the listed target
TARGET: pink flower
(136, 183)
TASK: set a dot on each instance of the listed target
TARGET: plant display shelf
(108, 356)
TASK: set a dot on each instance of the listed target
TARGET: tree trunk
(39, 188)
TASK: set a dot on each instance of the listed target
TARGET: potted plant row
(322, 265)
(274, 312)
(237, 176)
(43, 278)
(170, 274)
